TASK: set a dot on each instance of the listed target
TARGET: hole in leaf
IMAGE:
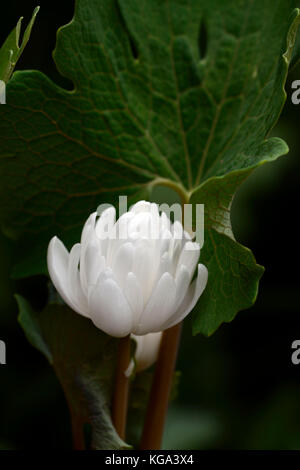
(202, 39)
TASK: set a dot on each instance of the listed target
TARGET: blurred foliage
(238, 388)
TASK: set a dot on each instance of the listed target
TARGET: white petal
(182, 280)
(165, 266)
(122, 226)
(88, 238)
(58, 261)
(177, 230)
(122, 263)
(187, 236)
(141, 206)
(154, 210)
(177, 241)
(140, 224)
(189, 257)
(143, 267)
(194, 292)
(164, 242)
(109, 310)
(75, 288)
(134, 296)
(146, 220)
(93, 263)
(165, 222)
(159, 307)
(118, 237)
(105, 223)
(88, 226)
(103, 276)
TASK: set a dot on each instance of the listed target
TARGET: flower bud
(147, 349)
(130, 276)
(146, 352)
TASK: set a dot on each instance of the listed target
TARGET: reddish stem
(160, 390)
(121, 391)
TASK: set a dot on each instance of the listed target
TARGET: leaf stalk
(160, 391)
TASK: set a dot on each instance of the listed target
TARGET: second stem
(160, 390)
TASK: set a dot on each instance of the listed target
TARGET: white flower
(136, 282)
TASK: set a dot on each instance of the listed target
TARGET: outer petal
(58, 262)
(189, 257)
(191, 298)
(160, 306)
(182, 280)
(105, 227)
(88, 238)
(109, 310)
(88, 226)
(75, 288)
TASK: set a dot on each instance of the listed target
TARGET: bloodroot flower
(130, 276)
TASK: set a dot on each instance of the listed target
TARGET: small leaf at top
(11, 50)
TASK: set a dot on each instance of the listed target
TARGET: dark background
(239, 388)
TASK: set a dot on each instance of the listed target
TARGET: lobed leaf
(177, 92)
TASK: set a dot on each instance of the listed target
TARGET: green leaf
(233, 272)
(11, 50)
(295, 47)
(84, 360)
(176, 92)
(232, 286)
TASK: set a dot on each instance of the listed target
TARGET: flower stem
(121, 391)
(160, 390)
